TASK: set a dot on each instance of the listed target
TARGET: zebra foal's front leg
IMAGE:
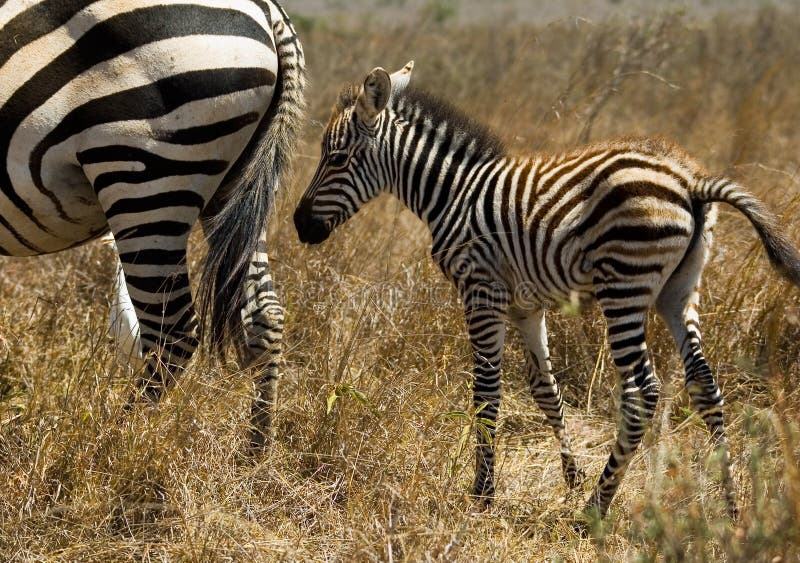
(262, 325)
(485, 312)
(545, 389)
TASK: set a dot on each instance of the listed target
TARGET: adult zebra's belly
(70, 217)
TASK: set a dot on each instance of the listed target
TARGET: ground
(369, 462)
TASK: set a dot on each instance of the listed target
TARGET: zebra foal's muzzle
(311, 229)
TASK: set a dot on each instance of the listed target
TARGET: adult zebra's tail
(236, 217)
(781, 252)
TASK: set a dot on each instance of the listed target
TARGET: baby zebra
(625, 223)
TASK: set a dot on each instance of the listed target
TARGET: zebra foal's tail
(783, 255)
(236, 218)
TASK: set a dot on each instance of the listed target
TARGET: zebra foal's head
(353, 167)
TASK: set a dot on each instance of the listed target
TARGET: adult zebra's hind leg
(158, 285)
(545, 389)
(639, 386)
(262, 326)
(123, 326)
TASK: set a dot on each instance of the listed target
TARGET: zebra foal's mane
(440, 111)
(435, 109)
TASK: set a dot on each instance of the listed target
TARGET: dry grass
(371, 323)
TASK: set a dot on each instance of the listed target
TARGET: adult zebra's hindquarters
(144, 117)
(626, 223)
(237, 293)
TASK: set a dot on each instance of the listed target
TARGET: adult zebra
(142, 117)
(626, 223)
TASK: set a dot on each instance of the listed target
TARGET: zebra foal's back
(565, 222)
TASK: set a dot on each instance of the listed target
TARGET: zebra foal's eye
(337, 159)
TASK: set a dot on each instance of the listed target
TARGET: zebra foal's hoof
(482, 497)
(262, 427)
(481, 503)
(482, 494)
(586, 523)
(574, 476)
(580, 526)
(733, 511)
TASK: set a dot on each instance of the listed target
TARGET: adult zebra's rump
(142, 117)
(626, 223)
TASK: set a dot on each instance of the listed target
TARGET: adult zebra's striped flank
(143, 117)
(625, 223)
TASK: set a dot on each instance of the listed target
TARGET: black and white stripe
(143, 117)
(626, 224)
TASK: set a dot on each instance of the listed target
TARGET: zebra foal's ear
(374, 95)
(401, 77)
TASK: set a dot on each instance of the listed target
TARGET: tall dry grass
(369, 462)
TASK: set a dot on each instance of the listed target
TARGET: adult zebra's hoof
(259, 440)
(146, 394)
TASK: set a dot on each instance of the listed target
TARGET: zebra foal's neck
(439, 155)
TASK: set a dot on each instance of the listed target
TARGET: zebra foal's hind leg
(262, 325)
(639, 386)
(545, 389)
(682, 319)
(677, 304)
